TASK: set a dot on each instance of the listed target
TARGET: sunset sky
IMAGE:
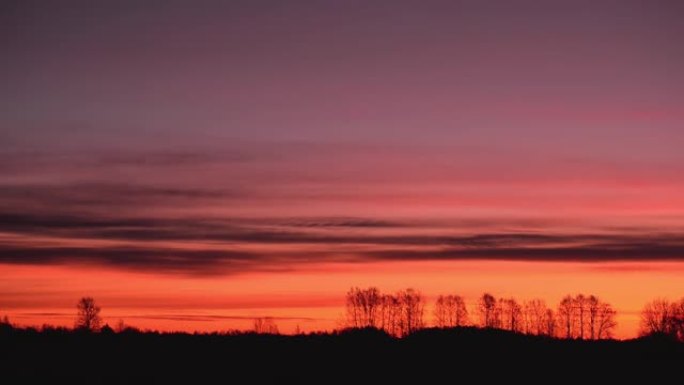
(193, 165)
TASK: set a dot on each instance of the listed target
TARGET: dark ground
(464, 355)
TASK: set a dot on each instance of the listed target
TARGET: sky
(193, 165)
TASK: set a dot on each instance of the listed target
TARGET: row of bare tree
(399, 314)
(663, 317)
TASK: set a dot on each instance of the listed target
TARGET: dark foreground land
(464, 355)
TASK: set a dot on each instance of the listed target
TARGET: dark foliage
(353, 356)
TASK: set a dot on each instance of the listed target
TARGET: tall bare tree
(450, 311)
(663, 317)
(511, 314)
(585, 317)
(363, 307)
(601, 318)
(656, 317)
(535, 314)
(390, 314)
(605, 321)
(593, 305)
(488, 310)
(412, 311)
(550, 324)
(88, 315)
(566, 315)
(678, 319)
(580, 310)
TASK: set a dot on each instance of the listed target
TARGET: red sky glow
(195, 166)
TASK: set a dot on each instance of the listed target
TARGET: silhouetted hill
(358, 356)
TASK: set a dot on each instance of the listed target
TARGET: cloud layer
(263, 207)
(229, 246)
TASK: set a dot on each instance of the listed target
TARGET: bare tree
(580, 310)
(390, 314)
(535, 315)
(549, 324)
(443, 311)
(450, 311)
(678, 319)
(566, 315)
(605, 321)
(511, 314)
(663, 317)
(88, 316)
(363, 307)
(412, 305)
(487, 309)
(656, 317)
(461, 312)
(586, 317)
(593, 307)
(265, 325)
(601, 318)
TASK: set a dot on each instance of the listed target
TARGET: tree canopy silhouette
(661, 316)
(399, 315)
(265, 325)
(88, 315)
(450, 311)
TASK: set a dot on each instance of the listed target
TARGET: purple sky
(603, 78)
(543, 117)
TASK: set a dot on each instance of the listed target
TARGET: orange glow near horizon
(312, 298)
(193, 168)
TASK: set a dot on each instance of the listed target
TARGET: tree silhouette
(390, 314)
(487, 309)
(265, 325)
(663, 317)
(550, 324)
(536, 316)
(593, 307)
(363, 306)
(580, 316)
(412, 305)
(450, 311)
(399, 314)
(605, 321)
(601, 318)
(580, 310)
(566, 314)
(88, 315)
(120, 326)
(511, 314)
(5, 324)
(585, 317)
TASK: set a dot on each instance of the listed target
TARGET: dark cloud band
(217, 246)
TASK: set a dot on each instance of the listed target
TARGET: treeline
(663, 317)
(402, 313)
